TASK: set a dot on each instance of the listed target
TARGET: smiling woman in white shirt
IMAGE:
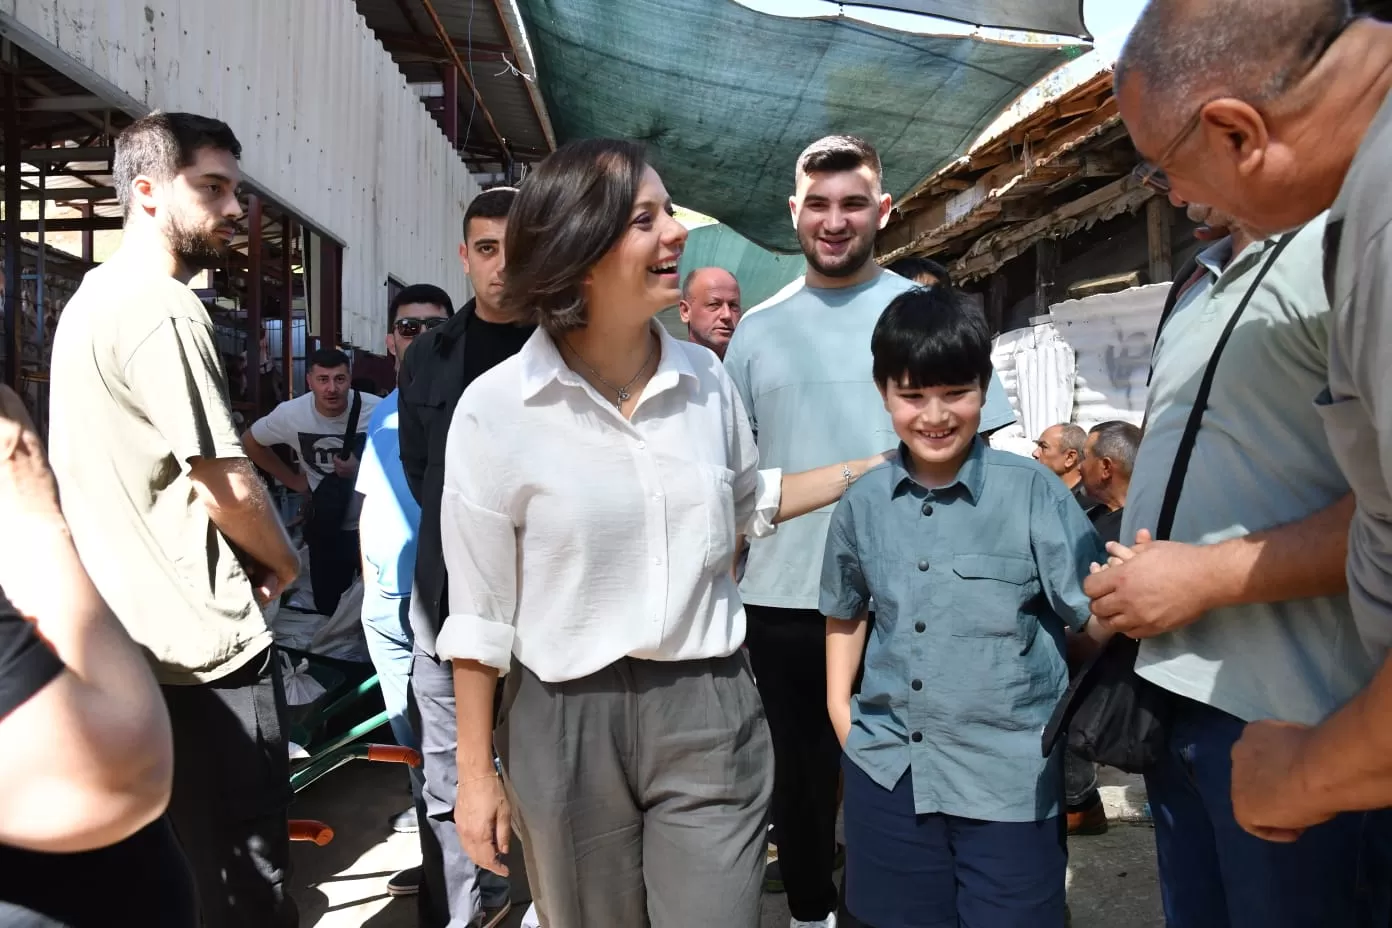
(594, 487)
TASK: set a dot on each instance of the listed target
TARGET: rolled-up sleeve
(844, 593)
(1065, 546)
(479, 541)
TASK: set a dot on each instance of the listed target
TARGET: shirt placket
(656, 554)
(924, 518)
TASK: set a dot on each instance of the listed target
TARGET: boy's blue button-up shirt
(973, 584)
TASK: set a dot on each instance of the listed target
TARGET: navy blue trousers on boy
(941, 871)
(1215, 875)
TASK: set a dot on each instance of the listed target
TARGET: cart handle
(304, 829)
(393, 754)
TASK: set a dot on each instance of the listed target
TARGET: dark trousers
(1215, 875)
(231, 793)
(787, 649)
(452, 888)
(905, 870)
(142, 880)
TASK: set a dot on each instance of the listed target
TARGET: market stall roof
(1062, 17)
(726, 97)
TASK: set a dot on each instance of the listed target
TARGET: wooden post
(253, 303)
(331, 292)
(1045, 267)
(995, 302)
(287, 304)
(13, 252)
(1159, 215)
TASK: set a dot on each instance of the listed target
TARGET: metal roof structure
(470, 62)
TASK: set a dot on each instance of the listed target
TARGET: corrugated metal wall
(328, 124)
(1109, 337)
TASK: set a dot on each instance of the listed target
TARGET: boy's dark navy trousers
(940, 871)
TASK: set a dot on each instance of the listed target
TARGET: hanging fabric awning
(726, 97)
(1061, 17)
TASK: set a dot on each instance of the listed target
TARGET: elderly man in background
(1289, 116)
(710, 306)
(1108, 458)
(1060, 448)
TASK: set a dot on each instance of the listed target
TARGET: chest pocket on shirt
(990, 591)
(718, 490)
(1353, 440)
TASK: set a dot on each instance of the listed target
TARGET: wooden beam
(451, 102)
(70, 193)
(253, 302)
(991, 251)
(81, 103)
(995, 302)
(95, 224)
(1159, 236)
(35, 155)
(464, 73)
(424, 48)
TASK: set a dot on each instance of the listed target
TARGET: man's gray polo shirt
(1260, 460)
(1357, 408)
(802, 366)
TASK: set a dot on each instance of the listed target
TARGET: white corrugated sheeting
(328, 124)
(1087, 364)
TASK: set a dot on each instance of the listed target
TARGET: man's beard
(197, 248)
(861, 252)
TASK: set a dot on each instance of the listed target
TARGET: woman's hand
(27, 487)
(483, 819)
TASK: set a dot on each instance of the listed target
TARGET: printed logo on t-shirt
(317, 451)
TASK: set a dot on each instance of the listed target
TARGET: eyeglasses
(1151, 174)
(408, 327)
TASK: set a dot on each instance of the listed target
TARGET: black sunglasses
(408, 327)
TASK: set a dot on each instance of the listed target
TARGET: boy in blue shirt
(972, 561)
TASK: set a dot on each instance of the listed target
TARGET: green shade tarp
(726, 98)
(1062, 17)
(760, 273)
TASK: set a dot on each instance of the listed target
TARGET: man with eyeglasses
(1291, 116)
(387, 532)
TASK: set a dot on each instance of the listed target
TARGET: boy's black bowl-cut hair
(929, 337)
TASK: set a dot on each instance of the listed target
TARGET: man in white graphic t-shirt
(314, 426)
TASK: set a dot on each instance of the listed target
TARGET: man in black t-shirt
(434, 374)
(86, 756)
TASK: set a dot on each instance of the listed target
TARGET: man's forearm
(269, 461)
(239, 506)
(474, 686)
(1293, 561)
(1347, 762)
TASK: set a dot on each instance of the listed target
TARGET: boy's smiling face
(937, 424)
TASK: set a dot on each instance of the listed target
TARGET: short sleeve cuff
(847, 604)
(768, 496)
(474, 638)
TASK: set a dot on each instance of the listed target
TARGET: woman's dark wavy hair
(570, 211)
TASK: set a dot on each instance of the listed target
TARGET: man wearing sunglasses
(387, 533)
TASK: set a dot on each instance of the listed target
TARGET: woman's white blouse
(573, 537)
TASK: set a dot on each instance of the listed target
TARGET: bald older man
(710, 307)
(1288, 113)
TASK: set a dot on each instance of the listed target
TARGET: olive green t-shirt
(138, 391)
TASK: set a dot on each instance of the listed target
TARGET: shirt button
(917, 685)
(642, 445)
(922, 565)
(927, 509)
(657, 561)
(916, 737)
(919, 627)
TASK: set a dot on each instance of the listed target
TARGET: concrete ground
(1111, 877)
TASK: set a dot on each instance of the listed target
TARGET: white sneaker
(828, 922)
